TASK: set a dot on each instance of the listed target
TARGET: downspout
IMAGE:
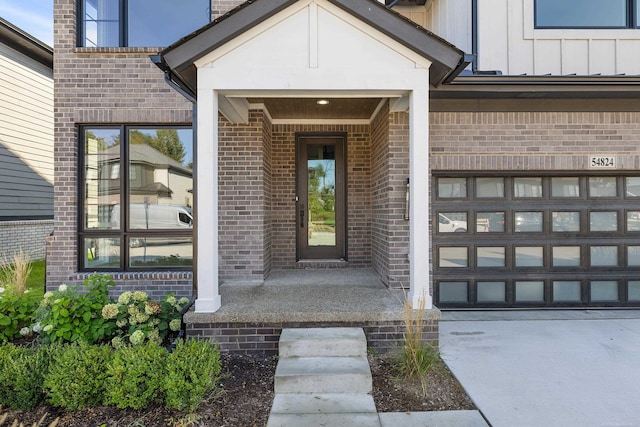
(474, 36)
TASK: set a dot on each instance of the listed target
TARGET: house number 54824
(602, 162)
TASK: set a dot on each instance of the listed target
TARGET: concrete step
(328, 403)
(323, 420)
(323, 375)
(316, 342)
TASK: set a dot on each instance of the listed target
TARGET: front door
(321, 201)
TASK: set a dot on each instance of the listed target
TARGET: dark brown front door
(320, 186)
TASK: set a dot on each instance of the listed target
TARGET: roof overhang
(545, 87)
(177, 60)
(24, 43)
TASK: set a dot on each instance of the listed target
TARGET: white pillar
(206, 249)
(419, 242)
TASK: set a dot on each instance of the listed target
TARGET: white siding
(508, 42)
(26, 136)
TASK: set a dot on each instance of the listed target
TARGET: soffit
(308, 108)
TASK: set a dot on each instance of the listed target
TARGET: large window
(586, 13)
(140, 23)
(136, 193)
(544, 241)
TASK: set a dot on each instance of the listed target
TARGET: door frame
(302, 251)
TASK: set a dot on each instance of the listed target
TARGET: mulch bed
(246, 396)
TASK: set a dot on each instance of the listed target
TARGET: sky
(32, 16)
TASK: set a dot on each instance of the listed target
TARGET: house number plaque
(602, 162)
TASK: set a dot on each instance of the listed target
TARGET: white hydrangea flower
(1, 290)
(62, 288)
(37, 328)
(48, 295)
(25, 331)
(137, 337)
(174, 325)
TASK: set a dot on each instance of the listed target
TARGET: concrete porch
(253, 315)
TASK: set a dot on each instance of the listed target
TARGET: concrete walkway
(554, 368)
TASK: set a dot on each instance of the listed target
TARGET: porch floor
(308, 295)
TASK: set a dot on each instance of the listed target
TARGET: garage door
(536, 241)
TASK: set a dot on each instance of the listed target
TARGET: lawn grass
(36, 278)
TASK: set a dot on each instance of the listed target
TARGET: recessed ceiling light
(322, 101)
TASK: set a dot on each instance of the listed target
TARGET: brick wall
(268, 194)
(28, 236)
(384, 336)
(284, 192)
(98, 86)
(242, 199)
(537, 141)
(379, 193)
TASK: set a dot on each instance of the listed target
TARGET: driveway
(537, 368)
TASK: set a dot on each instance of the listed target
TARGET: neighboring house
(517, 118)
(26, 143)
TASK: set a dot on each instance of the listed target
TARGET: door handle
(301, 218)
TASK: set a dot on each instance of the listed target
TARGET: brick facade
(535, 141)
(28, 236)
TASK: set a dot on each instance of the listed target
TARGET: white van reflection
(152, 217)
(446, 225)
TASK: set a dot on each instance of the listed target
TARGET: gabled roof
(26, 44)
(178, 59)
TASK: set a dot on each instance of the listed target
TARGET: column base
(208, 305)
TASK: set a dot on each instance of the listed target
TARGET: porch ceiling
(308, 108)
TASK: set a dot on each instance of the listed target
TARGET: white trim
(206, 215)
(419, 205)
(378, 108)
(321, 121)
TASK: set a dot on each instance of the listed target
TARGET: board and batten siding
(508, 42)
(26, 137)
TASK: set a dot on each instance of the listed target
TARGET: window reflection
(527, 187)
(452, 188)
(565, 221)
(529, 256)
(489, 187)
(101, 252)
(566, 291)
(633, 256)
(633, 221)
(600, 186)
(102, 177)
(530, 291)
(604, 256)
(565, 187)
(633, 290)
(566, 256)
(452, 222)
(490, 222)
(453, 291)
(491, 292)
(453, 257)
(603, 221)
(527, 222)
(160, 252)
(604, 290)
(632, 184)
(490, 256)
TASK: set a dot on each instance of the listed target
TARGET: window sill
(131, 50)
(138, 275)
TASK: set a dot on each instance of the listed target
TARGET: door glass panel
(453, 291)
(321, 185)
(452, 188)
(604, 290)
(489, 187)
(634, 290)
(604, 256)
(603, 221)
(565, 221)
(633, 221)
(566, 256)
(490, 256)
(600, 186)
(453, 257)
(527, 187)
(566, 291)
(530, 291)
(633, 182)
(491, 292)
(529, 256)
(490, 222)
(565, 187)
(633, 256)
(452, 222)
(527, 222)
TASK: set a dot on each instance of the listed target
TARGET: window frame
(631, 21)
(125, 234)
(123, 25)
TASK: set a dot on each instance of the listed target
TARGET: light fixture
(322, 101)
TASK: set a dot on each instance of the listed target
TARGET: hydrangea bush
(16, 311)
(139, 319)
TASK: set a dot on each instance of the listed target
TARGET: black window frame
(125, 234)
(123, 36)
(632, 19)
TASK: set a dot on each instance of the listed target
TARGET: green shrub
(77, 375)
(22, 375)
(135, 376)
(66, 315)
(16, 312)
(192, 371)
